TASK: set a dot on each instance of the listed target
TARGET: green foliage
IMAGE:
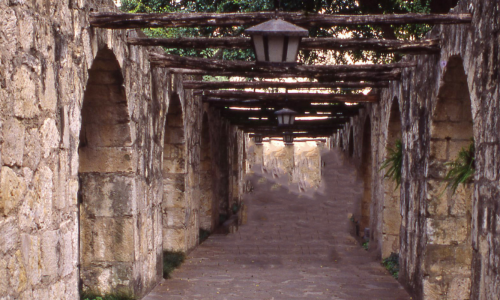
(93, 296)
(171, 261)
(223, 218)
(462, 169)
(204, 234)
(394, 163)
(391, 263)
(311, 6)
(235, 208)
(366, 245)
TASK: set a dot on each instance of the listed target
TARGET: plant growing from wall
(93, 296)
(391, 263)
(204, 234)
(462, 168)
(393, 163)
(171, 261)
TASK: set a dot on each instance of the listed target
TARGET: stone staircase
(294, 246)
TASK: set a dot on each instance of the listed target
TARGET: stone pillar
(259, 154)
(289, 160)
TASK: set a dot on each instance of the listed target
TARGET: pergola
(328, 99)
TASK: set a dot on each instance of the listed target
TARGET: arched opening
(366, 174)
(174, 203)
(351, 143)
(208, 207)
(235, 182)
(391, 215)
(107, 187)
(341, 140)
(448, 251)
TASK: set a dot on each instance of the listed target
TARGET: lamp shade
(276, 41)
(285, 116)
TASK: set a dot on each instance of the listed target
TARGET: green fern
(394, 163)
(462, 169)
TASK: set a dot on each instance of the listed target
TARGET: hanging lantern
(276, 42)
(286, 117)
(258, 139)
(288, 138)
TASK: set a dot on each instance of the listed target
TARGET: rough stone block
(12, 189)
(433, 290)
(174, 239)
(43, 183)
(107, 160)
(390, 244)
(174, 135)
(439, 149)
(459, 289)
(31, 254)
(457, 130)
(32, 150)
(113, 240)
(4, 284)
(13, 147)
(108, 195)
(447, 232)
(173, 166)
(174, 218)
(49, 99)
(69, 248)
(50, 253)
(391, 221)
(25, 105)
(10, 235)
(108, 135)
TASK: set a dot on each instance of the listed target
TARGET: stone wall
(99, 154)
(299, 164)
(448, 243)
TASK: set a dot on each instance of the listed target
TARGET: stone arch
(107, 186)
(208, 206)
(366, 174)
(174, 203)
(448, 248)
(391, 215)
(351, 142)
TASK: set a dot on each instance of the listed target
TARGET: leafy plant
(462, 169)
(171, 261)
(93, 296)
(204, 234)
(408, 32)
(366, 245)
(235, 207)
(391, 263)
(394, 163)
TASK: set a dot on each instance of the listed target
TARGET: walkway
(293, 247)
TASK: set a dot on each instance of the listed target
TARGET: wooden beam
(174, 20)
(175, 61)
(306, 103)
(354, 76)
(271, 113)
(213, 85)
(379, 45)
(310, 124)
(292, 96)
(315, 138)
